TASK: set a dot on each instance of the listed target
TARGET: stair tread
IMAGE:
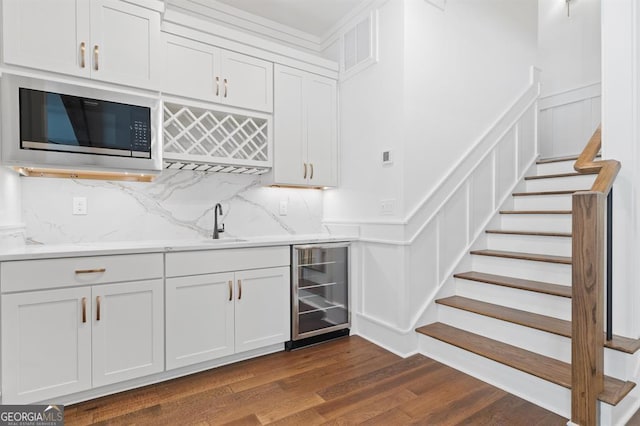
(533, 233)
(535, 211)
(559, 159)
(541, 366)
(532, 320)
(565, 260)
(536, 193)
(557, 175)
(518, 283)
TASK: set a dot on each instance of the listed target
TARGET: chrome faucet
(217, 231)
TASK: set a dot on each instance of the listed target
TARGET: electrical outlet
(79, 205)
(284, 207)
(387, 207)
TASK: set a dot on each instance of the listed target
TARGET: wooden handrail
(607, 169)
(587, 288)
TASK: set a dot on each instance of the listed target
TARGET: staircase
(512, 310)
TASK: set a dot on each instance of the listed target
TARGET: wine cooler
(319, 293)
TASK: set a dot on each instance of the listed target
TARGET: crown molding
(234, 18)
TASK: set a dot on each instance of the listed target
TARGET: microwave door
(77, 116)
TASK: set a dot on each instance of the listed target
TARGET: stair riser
(544, 343)
(523, 337)
(538, 271)
(536, 222)
(558, 184)
(542, 202)
(556, 246)
(553, 168)
(540, 392)
(538, 303)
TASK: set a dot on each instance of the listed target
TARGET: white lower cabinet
(62, 341)
(212, 315)
(128, 331)
(46, 344)
(199, 318)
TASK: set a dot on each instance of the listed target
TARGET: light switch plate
(79, 205)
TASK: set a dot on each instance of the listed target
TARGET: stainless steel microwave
(57, 125)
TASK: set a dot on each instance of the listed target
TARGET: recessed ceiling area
(314, 17)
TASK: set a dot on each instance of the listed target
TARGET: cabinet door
(128, 331)
(289, 148)
(125, 44)
(46, 344)
(320, 100)
(262, 308)
(191, 69)
(199, 318)
(47, 35)
(247, 82)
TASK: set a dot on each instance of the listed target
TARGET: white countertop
(50, 251)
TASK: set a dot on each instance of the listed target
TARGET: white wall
(464, 67)
(569, 57)
(371, 120)
(177, 205)
(11, 227)
(569, 47)
(620, 134)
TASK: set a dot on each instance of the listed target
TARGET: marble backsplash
(176, 205)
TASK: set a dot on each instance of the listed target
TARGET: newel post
(587, 311)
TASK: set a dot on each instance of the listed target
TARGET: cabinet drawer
(26, 275)
(214, 261)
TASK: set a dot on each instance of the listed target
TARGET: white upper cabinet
(106, 40)
(305, 129)
(201, 71)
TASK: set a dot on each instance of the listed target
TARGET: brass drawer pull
(84, 310)
(90, 271)
(230, 290)
(83, 48)
(239, 289)
(97, 308)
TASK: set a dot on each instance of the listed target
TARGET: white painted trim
(577, 94)
(157, 5)
(181, 24)
(430, 299)
(442, 190)
(233, 17)
(440, 4)
(13, 227)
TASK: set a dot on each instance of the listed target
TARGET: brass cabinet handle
(97, 308)
(305, 171)
(225, 87)
(217, 86)
(239, 289)
(311, 176)
(83, 48)
(230, 290)
(90, 271)
(84, 310)
(96, 53)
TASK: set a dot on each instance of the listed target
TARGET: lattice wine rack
(214, 141)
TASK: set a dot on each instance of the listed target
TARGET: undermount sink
(223, 240)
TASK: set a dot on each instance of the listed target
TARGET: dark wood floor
(347, 381)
